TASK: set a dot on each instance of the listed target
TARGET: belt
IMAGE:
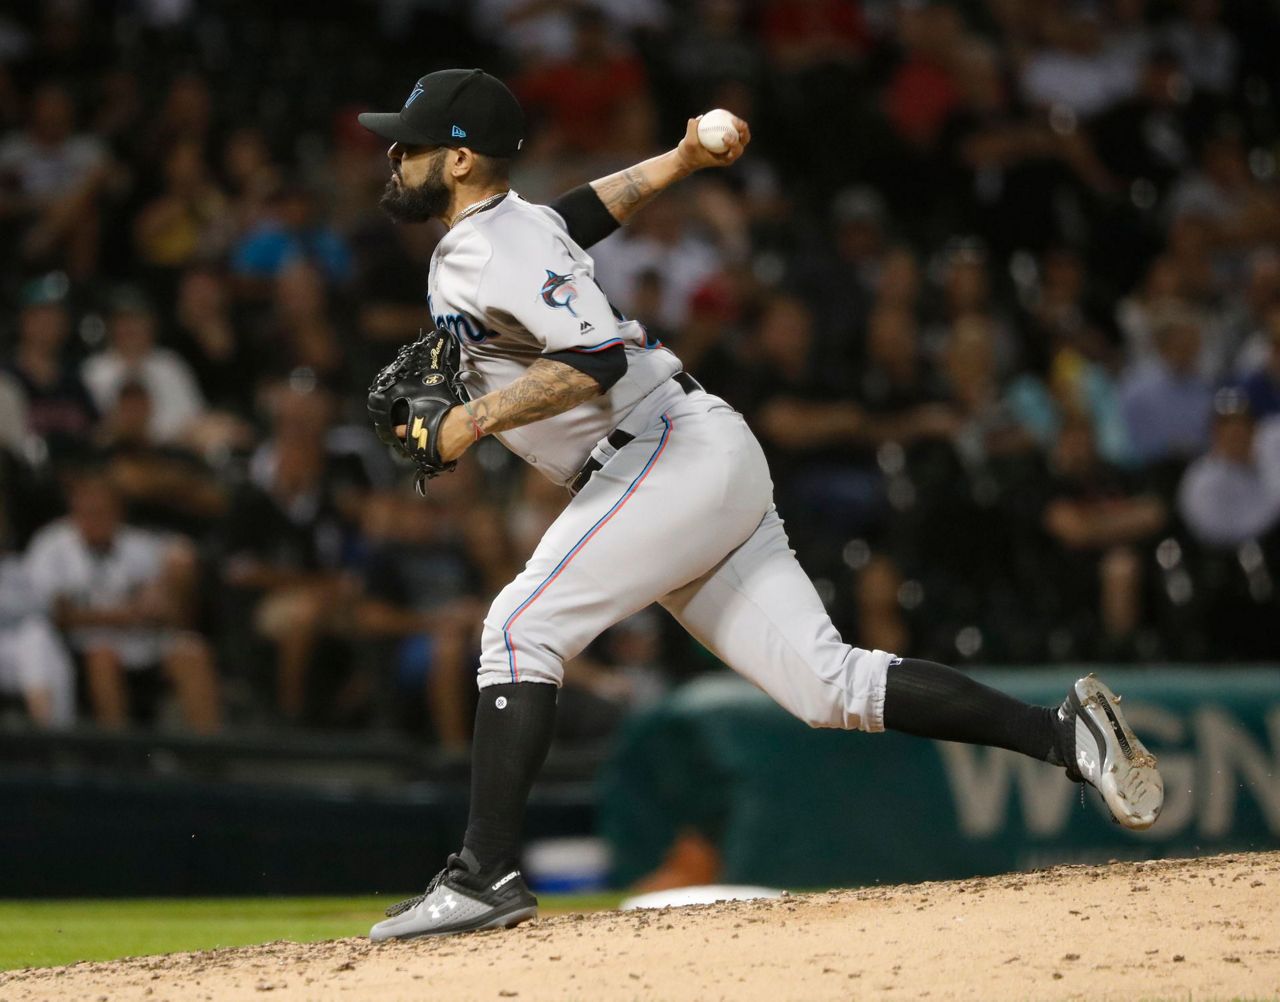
(618, 438)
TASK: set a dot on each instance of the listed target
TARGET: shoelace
(410, 903)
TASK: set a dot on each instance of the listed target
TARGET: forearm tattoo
(548, 388)
(624, 193)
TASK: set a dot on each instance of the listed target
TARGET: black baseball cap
(455, 108)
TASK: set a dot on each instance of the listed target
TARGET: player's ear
(461, 163)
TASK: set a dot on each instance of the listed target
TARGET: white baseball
(716, 130)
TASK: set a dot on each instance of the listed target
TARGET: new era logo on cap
(458, 132)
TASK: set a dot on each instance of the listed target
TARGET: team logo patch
(558, 291)
(417, 93)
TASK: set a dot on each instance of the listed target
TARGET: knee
(1121, 567)
(878, 584)
(288, 613)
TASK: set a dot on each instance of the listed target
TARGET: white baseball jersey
(61, 565)
(510, 285)
(681, 515)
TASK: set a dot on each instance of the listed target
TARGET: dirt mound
(1204, 928)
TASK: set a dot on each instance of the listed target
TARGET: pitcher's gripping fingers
(694, 156)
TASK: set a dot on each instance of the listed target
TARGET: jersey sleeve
(533, 280)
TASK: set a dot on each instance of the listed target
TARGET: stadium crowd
(997, 285)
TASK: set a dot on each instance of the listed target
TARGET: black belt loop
(687, 382)
(618, 438)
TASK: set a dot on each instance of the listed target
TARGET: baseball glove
(417, 389)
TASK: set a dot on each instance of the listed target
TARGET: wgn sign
(797, 807)
(1217, 736)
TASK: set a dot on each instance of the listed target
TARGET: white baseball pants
(683, 516)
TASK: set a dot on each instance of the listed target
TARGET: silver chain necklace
(474, 207)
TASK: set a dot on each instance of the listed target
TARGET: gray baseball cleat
(1105, 753)
(460, 899)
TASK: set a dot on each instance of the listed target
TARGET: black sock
(933, 701)
(514, 724)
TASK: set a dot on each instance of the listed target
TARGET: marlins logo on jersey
(563, 286)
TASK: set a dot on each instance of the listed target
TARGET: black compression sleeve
(585, 215)
(606, 367)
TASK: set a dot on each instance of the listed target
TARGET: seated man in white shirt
(123, 596)
(34, 664)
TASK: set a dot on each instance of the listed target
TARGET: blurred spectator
(163, 486)
(1075, 389)
(125, 598)
(1246, 341)
(285, 545)
(50, 179)
(922, 90)
(34, 664)
(1237, 210)
(1208, 53)
(422, 588)
(292, 232)
(185, 116)
(595, 101)
(816, 437)
(301, 333)
(1099, 524)
(990, 427)
(1165, 400)
(536, 31)
(209, 337)
(1139, 313)
(661, 241)
(1073, 72)
(715, 47)
(1262, 385)
(1003, 159)
(1063, 316)
(1227, 497)
(188, 221)
(1150, 138)
(964, 281)
(250, 174)
(14, 420)
(133, 355)
(810, 34)
(59, 408)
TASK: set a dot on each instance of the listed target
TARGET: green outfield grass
(50, 933)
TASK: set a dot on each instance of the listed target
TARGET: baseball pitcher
(672, 500)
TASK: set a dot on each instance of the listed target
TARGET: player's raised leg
(760, 614)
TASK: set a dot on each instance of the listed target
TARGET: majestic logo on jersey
(562, 286)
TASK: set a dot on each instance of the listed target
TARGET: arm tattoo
(546, 389)
(624, 193)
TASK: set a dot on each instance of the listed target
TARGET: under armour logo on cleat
(458, 133)
(438, 910)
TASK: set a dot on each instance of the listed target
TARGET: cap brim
(389, 125)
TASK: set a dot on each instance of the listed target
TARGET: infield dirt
(1173, 929)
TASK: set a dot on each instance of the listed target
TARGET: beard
(427, 201)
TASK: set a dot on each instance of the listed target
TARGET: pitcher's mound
(1203, 928)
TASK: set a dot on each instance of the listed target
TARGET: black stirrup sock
(931, 700)
(514, 724)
